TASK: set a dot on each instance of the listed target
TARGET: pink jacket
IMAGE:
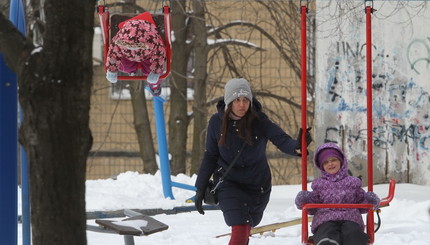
(138, 41)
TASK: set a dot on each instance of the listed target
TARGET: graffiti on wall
(419, 54)
(400, 87)
(400, 106)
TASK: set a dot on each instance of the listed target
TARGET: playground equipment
(109, 24)
(385, 201)
(136, 225)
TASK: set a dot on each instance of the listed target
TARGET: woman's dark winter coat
(245, 192)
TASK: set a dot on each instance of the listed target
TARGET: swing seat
(148, 225)
(137, 225)
(369, 220)
(109, 24)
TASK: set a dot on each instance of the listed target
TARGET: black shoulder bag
(210, 192)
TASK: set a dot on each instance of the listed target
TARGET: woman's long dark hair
(244, 125)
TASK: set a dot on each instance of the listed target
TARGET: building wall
(400, 87)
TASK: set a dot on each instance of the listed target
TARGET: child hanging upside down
(137, 41)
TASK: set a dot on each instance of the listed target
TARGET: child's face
(331, 165)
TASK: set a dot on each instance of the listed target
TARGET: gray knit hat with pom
(236, 88)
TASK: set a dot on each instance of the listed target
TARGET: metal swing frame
(370, 229)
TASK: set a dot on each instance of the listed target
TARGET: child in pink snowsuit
(136, 42)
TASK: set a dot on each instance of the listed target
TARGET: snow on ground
(405, 221)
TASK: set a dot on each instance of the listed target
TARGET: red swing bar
(369, 10)
(304, 10)
(103, 12)
(385, 201)
(370, 225)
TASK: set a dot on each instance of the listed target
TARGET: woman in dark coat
(245, 191)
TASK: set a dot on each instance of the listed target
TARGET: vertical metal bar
(103, 12)
(305, 226)
(19, 21)
(370, 214)
(303, 10)
(9, 139)
(369, 98)
(8, 155)
(128, 240)
(162, 147)
(168, 44)
(25, 198)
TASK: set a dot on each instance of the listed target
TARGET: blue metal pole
(162, 147)
(18, 18)
(9, 139)
(25, 187)
(25, 198)
(8, 155)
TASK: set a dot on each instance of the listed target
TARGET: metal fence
(115, 147)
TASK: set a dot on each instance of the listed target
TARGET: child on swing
(137, 43)
(335, 226)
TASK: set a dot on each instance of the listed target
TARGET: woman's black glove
(199, 200)
(299, 141)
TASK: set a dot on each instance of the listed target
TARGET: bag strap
(229, 168)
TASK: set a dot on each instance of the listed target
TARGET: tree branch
(284, 55)
(13, 45)
(222, 42)
(281, 98)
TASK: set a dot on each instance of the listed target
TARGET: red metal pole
(103, 12)
(305, 232)
(303, 10)
(369, 98)
(370, 216)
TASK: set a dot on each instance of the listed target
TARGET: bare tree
(200, 49)
(179, 119)
(143, 128)
(55, 79)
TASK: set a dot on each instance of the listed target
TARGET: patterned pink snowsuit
(137, 41)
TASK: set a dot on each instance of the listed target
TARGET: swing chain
(301, 5)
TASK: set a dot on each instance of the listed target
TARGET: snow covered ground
(405, 221)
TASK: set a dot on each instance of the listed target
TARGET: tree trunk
(142, 126)
(178, 120)
(199, 81)
(54, 92)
